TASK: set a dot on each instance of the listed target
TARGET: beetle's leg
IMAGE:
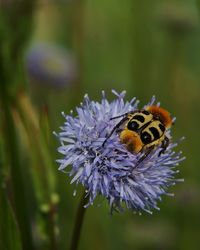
(115, 127)
(147, 152)
(164, 145)
(125, 114)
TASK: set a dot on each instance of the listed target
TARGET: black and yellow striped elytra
(138, 120)
(149, 129)
(142, 130)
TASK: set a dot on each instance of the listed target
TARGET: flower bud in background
(51, 66)
(111, 170)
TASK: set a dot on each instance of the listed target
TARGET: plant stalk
(20, 205)
(78, 222)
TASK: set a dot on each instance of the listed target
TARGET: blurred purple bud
(51, 65)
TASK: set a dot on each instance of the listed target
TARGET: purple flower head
(111, 170)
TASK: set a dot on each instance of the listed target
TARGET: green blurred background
(51, 54)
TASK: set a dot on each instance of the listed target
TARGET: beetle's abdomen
(132, 140)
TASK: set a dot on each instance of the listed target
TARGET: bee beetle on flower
(121, 152)
(142, 130)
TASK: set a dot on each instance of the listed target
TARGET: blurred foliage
(145, 47)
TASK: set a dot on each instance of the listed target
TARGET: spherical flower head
(111, 170)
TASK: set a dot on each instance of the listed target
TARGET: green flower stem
(78, 222)
(9, 233)
(44, 182)
(18, 190)
(15, 29)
